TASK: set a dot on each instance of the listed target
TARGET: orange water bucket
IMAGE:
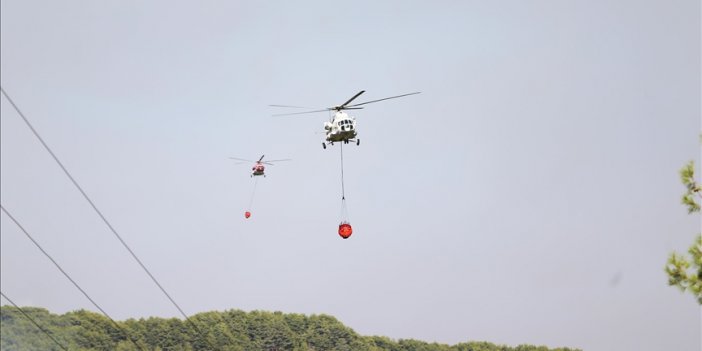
(345, 230)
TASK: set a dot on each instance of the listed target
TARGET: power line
(54, 262)
(35, 322)
(67, 276)
(99, 213)
(112, 229)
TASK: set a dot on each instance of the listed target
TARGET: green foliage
(684, 273)
(231, 330)
(13, 322)
(687, 176)
(687, 274)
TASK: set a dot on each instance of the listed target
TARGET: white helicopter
(341, 127)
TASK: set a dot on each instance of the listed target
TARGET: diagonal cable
(68, 174)
(66, 274)
(35, 322)
(99, 213)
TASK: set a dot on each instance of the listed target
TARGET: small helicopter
(341, 127)
(258, 168)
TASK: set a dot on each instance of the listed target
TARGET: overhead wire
(26, 233)
(99, 213)
(35, 322)
(92, 204)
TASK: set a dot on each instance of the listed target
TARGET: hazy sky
(530, 194)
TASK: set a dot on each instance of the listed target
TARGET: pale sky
(530, 194)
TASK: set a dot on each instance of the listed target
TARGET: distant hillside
(232, 330)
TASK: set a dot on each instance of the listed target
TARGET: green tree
(232, 330)
(683, 272)
(126, 346)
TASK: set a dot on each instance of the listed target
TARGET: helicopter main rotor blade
(259, 160)
(301, 113)
(288, 106)
(351, 99)
(387, 98)
(270, 162)
(241, 159)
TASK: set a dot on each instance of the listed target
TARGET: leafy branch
(687, 176)
(684, 273)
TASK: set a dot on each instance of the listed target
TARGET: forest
(232, 330)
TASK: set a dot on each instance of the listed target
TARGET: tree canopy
(232, 330)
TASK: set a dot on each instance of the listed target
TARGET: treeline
(232, 330)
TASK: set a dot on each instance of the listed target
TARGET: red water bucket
(345, 230)
(247, 214)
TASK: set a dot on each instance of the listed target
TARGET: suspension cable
(253, 193)
(341, 147)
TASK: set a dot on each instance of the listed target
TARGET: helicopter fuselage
(341, 128)
(258, 170)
